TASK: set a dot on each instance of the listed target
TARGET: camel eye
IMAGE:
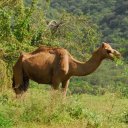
(108, 51)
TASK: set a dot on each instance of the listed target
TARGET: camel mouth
(117, 55)
(113, 57)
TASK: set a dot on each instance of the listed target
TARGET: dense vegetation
(109, 15)
(24, 25)
(39, 108)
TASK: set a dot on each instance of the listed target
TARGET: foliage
(124, 117)
(3, 76)
(5, 123)
(21, 31)
(24, 25)
(110, 15)
(22, 28)
(38, 107)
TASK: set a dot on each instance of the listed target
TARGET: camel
(48, 65)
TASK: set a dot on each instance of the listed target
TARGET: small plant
(124, 117)
(3, 76)
(5, 122)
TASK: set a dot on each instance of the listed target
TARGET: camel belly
(41, 80)
(39, 75)
(39, 69)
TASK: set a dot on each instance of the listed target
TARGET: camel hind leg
(20, 79)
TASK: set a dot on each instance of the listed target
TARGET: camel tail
(20, 81)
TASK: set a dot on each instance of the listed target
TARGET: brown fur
(48, 65)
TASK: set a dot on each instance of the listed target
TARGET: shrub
(124, 117)
(5, 122)
(3, 76)
(55, 110)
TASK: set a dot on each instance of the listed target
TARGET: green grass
(5, 122)
(43, 109)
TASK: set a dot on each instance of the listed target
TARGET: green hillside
(109, 15)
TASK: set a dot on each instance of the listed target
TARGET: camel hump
(24, 56)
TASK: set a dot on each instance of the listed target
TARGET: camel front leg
(65, 87)
(55, 85)
(54, 91)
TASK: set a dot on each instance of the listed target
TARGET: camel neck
(85, 68)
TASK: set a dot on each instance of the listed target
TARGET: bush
(3, 76)
(55, 110)
(124, 117)
(5, 122)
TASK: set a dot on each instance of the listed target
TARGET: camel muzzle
(117, 54)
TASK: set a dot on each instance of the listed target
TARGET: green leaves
(5, 123)
(119, 62)
(5, 24)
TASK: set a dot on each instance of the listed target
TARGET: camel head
(108, 52)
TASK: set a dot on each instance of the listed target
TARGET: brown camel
(48, 65)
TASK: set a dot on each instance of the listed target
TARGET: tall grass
(43, 108)
(3, 76)
(39, 107)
